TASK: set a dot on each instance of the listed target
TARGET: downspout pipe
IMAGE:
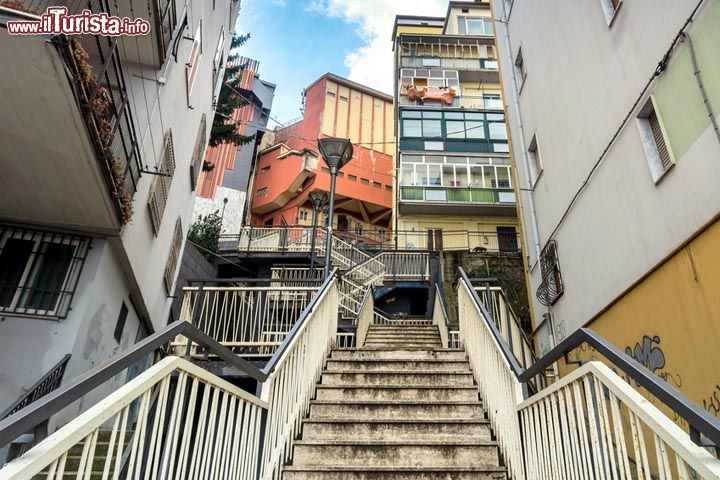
(701, 85)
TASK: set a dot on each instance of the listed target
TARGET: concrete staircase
(400, 408)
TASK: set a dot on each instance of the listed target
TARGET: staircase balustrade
(440, 317)
(589, 424)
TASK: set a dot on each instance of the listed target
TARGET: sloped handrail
(699, 420)
(443, 322)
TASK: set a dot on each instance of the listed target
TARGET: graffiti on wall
(711, 403)
(649, 354)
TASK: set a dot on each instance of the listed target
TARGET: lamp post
(336, 152)
(319, 200)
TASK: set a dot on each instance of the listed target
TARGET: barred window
(551, 288)
(161, 186)
(173, 257)
(39, 271)
(198, 153)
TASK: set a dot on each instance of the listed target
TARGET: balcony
(70, 156)
(470, 69)
(469, 102)
(455, 200)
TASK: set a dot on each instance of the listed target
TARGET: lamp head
(318, 199)
(336, 152)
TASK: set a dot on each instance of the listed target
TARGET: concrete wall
(194, 266)
(623, 224)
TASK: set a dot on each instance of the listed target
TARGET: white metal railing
(592, 424)
(252, 321)
(455, 339)
(292, 276)
(291, 384)
(270, 239)
(406, 265)
(346, 340)
(440, 318)
(507, 323)
(499, 388)
(365, 317)
(173, 421)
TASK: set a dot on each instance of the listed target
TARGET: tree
(223, 129)
(205, 233)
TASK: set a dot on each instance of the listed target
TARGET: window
(193, 64)
(551, 288)
(534, 161)
(365, 181)
(166, 21)
(262, 192)
(343, 99)
(497, 130)
(352, 178)
(173, 257)
(388, 188)
(303, 215)
(455, 171)
(120, 324)
(377, 184)
(39, 271)
(610, 9)
(265, 169)
(423, 77)
(475, 26)
(324, 169)
(340, 174)
(160, 189)
(218, 64)
(520, 73)
(654, 143)
(331, 94)
(198, 153)
(507, 239)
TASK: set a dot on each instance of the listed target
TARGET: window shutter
(173, 256)
(663, 151)
(160, 189)
(198, 154)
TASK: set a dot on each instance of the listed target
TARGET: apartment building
(613, 117)
(454, 173)
(224, 188)
(290, 167)
(103, 140)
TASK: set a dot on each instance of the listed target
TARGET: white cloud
(372, 63)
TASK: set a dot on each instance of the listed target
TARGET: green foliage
(205, 233)
(223, 129)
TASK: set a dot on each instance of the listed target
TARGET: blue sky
(297, 41)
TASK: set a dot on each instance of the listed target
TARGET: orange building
(290, 166)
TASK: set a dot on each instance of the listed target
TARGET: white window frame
(192, 67)
(520, 71)
(650, 146)
(218, 65)
(485, 20)
(610, 11)
(534, 161)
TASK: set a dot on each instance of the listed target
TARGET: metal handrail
(699, 420)
(37, 412)
(13, 408)
(441, 297)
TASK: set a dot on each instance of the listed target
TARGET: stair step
(397, 377)
(388, 393)
(398, 354)
(424, 453)
(389, 429)
(403, 336)
(394, 473)
(375, 365)
(396, 410)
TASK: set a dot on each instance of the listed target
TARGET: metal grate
(551, 288)
(663, 151)
(39, 271)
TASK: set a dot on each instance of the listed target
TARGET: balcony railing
(456, 195)
(461, 64)
(100, 89)
(475, 102)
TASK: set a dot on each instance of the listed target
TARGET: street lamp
(319, 201)
(336, 152)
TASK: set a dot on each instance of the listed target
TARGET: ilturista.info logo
(56, 21)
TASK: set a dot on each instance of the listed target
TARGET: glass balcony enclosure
(453, 131)
(449, 178)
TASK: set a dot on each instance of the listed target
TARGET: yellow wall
(671, 321)
(449, 224)
(419, 29)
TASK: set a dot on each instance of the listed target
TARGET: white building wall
(232, 212)
(583, 78)
(146, 253)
